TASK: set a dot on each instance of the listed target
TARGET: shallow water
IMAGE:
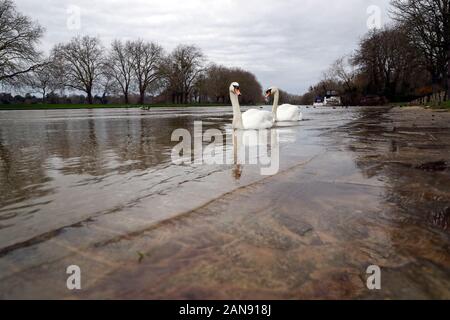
(97, 188)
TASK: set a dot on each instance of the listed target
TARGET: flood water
(98, 189)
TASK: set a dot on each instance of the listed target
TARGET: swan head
(235, 89)
(271, 91)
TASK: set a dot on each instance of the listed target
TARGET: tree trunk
(89, 97)
(141, 97)
(125, 95)
(447, 87)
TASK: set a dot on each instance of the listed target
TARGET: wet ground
(97, 189)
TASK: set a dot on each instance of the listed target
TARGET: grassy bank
(439, 106)
(98, 106)
(442, 106)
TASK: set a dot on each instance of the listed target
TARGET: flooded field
(97, 189)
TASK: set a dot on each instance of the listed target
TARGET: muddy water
(356, 187)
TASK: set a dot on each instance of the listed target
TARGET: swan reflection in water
(256, 147)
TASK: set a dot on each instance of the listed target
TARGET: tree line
(133, 71)
(400, 62)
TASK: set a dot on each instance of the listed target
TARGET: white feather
(257, 119)
(288, 112)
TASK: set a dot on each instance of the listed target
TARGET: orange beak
(238, 92)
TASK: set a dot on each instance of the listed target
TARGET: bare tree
(217, 79)
(146, 58)
(120, 64)
(428, 25)
(19, 36)
(344, 72)
(390, 62)
(182, 69)
(253, 92)
(44, 79)
(81, 60)
(106, 86)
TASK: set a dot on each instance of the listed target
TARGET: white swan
(285, 112)
(250, 120)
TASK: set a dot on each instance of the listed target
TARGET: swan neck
(276, 98)
(237, 115)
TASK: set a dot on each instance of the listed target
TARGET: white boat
(330, 99)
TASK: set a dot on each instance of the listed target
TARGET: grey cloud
(285, 43)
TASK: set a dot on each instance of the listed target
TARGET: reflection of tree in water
(22, 172)
(402, 153)
(94, 147)
(101, 146)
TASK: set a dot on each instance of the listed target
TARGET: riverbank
(442, 106)
(100, 106)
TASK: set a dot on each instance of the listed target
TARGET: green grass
(439, 106)
(98, 106)
(445, 105)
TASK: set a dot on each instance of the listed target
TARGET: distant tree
(82, 63)
(344, 72)
(307, 98)
(218, 79)
(386, 65)
(106, 87)
(146, 58)
(286, 97)
(252, 91)
(322, 87)
(181, 70)
(19, 37)
(199, 91)
(343, 75)
(428, 27)
(44, 79)
(120, 65)
(390, 62)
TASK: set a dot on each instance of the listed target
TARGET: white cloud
(285, 43)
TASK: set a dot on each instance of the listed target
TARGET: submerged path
(376, 193)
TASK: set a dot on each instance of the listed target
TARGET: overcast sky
(285, 43)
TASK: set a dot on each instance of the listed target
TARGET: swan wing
(257, 119)
(288, 112)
